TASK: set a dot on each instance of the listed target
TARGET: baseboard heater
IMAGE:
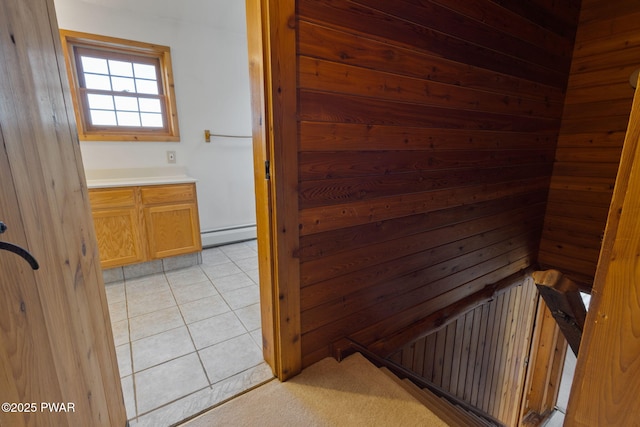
(223, 236)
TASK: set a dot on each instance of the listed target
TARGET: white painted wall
(209, 54)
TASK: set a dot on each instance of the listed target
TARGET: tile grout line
(257, 284)
(173, 401)
(185, 324)
(206, 374)
(133, 376)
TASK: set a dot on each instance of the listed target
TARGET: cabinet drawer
(168, 193)
(112, 198)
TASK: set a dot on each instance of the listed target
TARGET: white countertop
(105, 178)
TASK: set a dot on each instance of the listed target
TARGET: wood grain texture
(264, 201)
(608, 370)
(23, 332)
(137, 224)
(67, 354)
(421, 126)
(172, 230)
(563, 298)
(545, 366)
(119, 237)
(118, 226)
(598, 103)
(113, 198)
(163, 194)
(481, 356)
(171, 219)
(278, 25)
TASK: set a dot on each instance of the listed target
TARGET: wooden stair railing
(385, 346)
(562, 296)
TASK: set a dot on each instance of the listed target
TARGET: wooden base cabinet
(137, 224)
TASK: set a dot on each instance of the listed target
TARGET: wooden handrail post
(562, 296)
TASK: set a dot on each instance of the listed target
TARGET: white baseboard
(225, 236)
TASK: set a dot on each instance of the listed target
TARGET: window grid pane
(103, 118)
(144, 71)
(120, 89)
(97, 81)
(123, 84)
(124, 103)
(100, 102)
(95, 65)
(151, 120)
(147, 86)
(150, 105)
(129, 119)
(120, 77)
(120, 68)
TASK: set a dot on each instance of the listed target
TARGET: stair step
(481, 420)
(452, 415)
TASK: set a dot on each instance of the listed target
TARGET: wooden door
(57, 359)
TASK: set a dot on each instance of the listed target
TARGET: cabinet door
(118, 235)
(172, 229)
(118, 227)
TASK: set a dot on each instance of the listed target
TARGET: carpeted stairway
(452, 415)
(350, 393)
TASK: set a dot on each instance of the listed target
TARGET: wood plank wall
(481, 356)
(427, 132)
(607, 376)
(596, 114)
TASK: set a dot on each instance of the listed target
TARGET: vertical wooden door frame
(544, 368)
(271, 29)
(607, 376)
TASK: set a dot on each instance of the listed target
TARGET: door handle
(6, 246)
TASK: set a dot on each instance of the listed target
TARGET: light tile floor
(189, 339)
